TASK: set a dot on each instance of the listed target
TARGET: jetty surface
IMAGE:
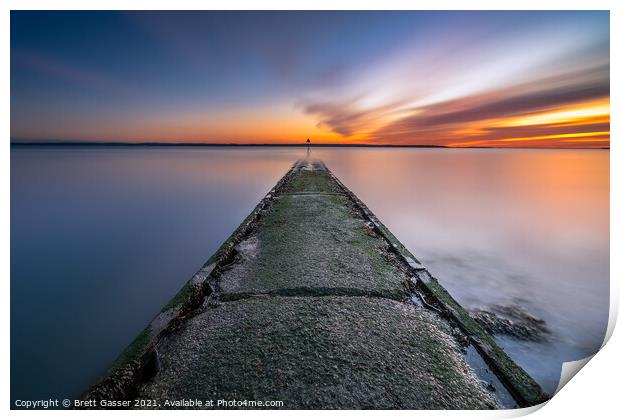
(313, 303)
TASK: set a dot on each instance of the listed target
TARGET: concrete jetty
(313, 304)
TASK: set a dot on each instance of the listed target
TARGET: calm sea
(102, 238)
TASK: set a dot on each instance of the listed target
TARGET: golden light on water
(601, 136)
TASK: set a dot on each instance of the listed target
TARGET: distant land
(19, 143)
(174, 144)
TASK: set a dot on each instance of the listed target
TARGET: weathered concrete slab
(311, 177)
(313, 302)
(311, 313)
(318, 353)
(317, 244)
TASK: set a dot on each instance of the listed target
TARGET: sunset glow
(575, 118)
(573, 115)
(501, 79)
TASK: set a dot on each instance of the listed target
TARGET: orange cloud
(577, 117)
(565, 115)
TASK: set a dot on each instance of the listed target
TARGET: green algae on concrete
(136, 348)
(525, 390)
(312, 179)
(318, 353)
(313, 241)
(309, 302)
(311, 313)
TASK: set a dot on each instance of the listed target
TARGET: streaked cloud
(519, 79)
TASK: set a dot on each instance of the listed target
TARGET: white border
(592, 395)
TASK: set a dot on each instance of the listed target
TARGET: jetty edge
(313, 301)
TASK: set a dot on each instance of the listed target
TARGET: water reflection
(529, 227)
(102, 238)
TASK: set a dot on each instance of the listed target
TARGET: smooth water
(102, 238)
(525, 227)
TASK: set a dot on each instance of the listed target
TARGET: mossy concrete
(318, 353)
(311, 311)
(313, 241)
(311, 302)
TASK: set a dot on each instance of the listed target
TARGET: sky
(469, 78)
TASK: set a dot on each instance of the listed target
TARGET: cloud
(502, 107)
(347, 118)
(67, 72)
(491, 116)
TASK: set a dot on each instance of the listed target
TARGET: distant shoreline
(302, 145)
(169, 144)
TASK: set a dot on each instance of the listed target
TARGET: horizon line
(206, 144)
